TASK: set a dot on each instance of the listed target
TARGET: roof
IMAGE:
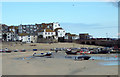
(74, 35)
(49, 30)
(84, 34)
(41, 30)
(58, 29)
(71, 34)
(11, 27)
(3, 24)
(10, 31)
(22, 34)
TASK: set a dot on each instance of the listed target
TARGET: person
(56, 50)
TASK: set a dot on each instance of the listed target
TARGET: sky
(99, 19)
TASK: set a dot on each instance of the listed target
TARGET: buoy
(116, 56)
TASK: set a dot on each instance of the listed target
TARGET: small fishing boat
(34, 49)
(82, 57)
(71, 53)
(16, 50)
(23, 50)
(42, 54)
(8, 51)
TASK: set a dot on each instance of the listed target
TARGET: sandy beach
(27, 46)
(17, 63)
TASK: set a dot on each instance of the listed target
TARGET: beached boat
(42, 54)
(34, 49)
(77, 52)
(8, 51)
(71, 53)
(23, 50)
(1, 50)
(82, 57)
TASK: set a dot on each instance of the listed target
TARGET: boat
(16, 50)
(23, 50)
(82, 57)
(8, 51)
(34, 49)
(42, 54)
(77, 52)
(1, 50)
(71, 53)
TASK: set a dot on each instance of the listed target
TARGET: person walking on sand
(56, 50)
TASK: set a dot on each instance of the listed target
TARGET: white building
(10, 36)
(46, 33)
(60, 32)
(56, 25)
(70, 37)
(75, 37)
(24, 37)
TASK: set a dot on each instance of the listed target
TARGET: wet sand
(12, 65)
(53, 66)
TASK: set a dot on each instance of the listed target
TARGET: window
(8, 37)
(48, 32)
(45, 33)
(34, 26)
(51, 33)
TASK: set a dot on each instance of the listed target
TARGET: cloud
(88, 26)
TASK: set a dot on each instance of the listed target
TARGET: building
(60, 33)
(84, 36)
(12, 34)
(27, 33)
(55, 25)
(50, 30)
(75, 37)
(29, 29)
(71, 37)
(4, 30)
(46, 33)
(24, 37)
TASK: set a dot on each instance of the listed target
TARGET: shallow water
(110, 63)
(112, 59)
(104, 58)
